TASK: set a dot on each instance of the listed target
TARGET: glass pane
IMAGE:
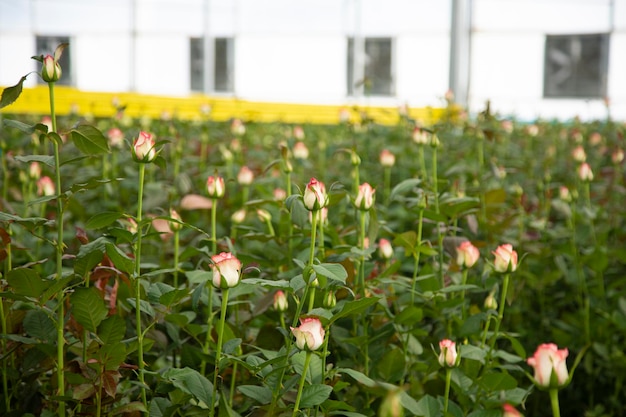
(46, 45)
(378, 66)
(350, 77)
(196, 64)
(224, 65)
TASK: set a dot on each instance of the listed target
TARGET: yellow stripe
(70, 100)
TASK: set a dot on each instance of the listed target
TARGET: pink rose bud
(617, 156)
(51, 70)
(564, 194)
(245, 176)
(239, 216)
(46, 187)
(132, 226)
(550, 366)
(579, 154)
(300, 151)
(509, 411)
(116, 137)
(385, 250)
(505, 258)
(585, 173)
(280, 301)
(215, 187)
(298, 132)
(315, 197)
(237, 127)
(279, 194)
(448, 354)
(175, 225)
(310, 334)
(595, 139)
(365, 197)
(34, 170)
(532, 130)
(387, 159)
(467, 254)
(226, 270)
(507, 126)
(143, 147)
(420, 136)
(264, 215)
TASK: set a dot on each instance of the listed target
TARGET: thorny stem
(140, 334)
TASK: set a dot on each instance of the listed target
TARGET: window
(196, 64)
(222, 68)
(576, 66)
(224, 65)
(46, 45)
(375, 76)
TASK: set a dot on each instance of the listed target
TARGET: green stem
(554, 401)
(418, 243)
(59, 262)
(361, 276)
(447, 392)
(3, 323)
(307, 360)
(299, 305)
(139, 331)
(209, 324)
(387, 184)
(439, 234)
(422, 161)
(505, 288)
(463, 283)
(218, 352)
(176, 256)
(214, 226)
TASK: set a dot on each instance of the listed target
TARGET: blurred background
(529, 58)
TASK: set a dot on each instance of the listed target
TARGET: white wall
(508, 52)
(296, 51)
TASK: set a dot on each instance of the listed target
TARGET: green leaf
(112, 330)
(313, 395)
(332, 271)
(91, 184)
(112, 355)
(120, 259)
(498, 381)
(392, 365)
(191, 382)
(404, 186)
(428, 406)
(10, 94)
(354, 307)
(89, 140)
(27, 282)
(485, 413)
(31, 221)
(262, 395)
(89, 255)
(358, 376)
(88, 308)
(44, 159)
(39, 325)
(409, 316)
(132, 407)
(103, 219)
(161, 407)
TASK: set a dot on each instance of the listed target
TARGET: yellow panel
(70, 100)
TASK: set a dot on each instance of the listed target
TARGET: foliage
(496, 181)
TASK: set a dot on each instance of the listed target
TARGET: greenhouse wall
(299, 52)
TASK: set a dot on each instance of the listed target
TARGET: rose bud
(245, 176)
(215, 187)
(46, 187)
(300, 151)
(467, 254)
(226, 270)
(310, 334)
(505, 258)
(280, 301)
(387, 159)
(585, 173)
(143, 147)
(365, 197)
(315, 196)
(384, 249)
(550, 366)
(448, 354)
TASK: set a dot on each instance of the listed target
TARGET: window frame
(360, 88)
